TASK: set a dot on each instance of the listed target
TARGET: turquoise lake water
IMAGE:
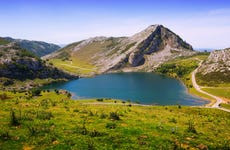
(146, 88)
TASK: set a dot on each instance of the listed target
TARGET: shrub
(5, 136)
(191, 126)
(69, 95)
(111, 125)
(114, 116)
(173, 120)
(3, 96)
(75, 110)
(95, 133)
(103, 116)
(14, 121)
(32, 130)
(56, 91)
(35, 92)
(91, 113)
(82, 130)
(100, 99)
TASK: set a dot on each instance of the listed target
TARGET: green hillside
(38, 48)
(51, 120)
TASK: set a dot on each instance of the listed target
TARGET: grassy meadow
(74, 66)
(51, 120)
(219, 91)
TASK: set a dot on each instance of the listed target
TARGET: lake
(146, 88)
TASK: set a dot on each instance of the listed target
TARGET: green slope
(52, 121)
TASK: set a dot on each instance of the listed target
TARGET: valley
(115, 117)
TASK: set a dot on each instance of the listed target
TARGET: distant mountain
(21, 64)
(142, 51)
(204, 49)
(39, 48)
(216, 69)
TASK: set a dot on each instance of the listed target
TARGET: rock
(135, 58)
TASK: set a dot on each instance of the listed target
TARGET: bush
(3, 96)
(82, 130)
(114, 116)
(32, 130)
(173, 120)
(56, 91)
(95, 133)
(35, 92)
(103, 116)
(100, 99)
(191, 126)
(111, 125)
(14, 121)
(5, 136)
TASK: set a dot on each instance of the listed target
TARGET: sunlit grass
(53, 121)
(74, 66)
(219, 91)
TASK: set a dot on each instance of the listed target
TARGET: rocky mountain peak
(142, 51)
(156, 38)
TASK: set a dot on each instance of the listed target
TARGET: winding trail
(197, 87)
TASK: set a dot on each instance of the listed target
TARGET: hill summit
(143, 51)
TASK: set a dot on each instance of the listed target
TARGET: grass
(74, 66)
(214, 79)
(219, 91)
(82, 61)
(227, 106)
(53, 121)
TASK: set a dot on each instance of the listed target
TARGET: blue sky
(202, 23)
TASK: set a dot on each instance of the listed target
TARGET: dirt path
(197, 87)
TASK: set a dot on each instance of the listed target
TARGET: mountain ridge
(142, 51)
(39, 48)
(20, 65)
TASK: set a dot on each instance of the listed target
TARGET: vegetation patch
(219, 91)
(53, 121)
(213, 78)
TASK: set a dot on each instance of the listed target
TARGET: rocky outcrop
(218, 61)
(135, 58)
(18, 63)
(216, 69)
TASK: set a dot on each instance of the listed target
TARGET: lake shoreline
(146, 92)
